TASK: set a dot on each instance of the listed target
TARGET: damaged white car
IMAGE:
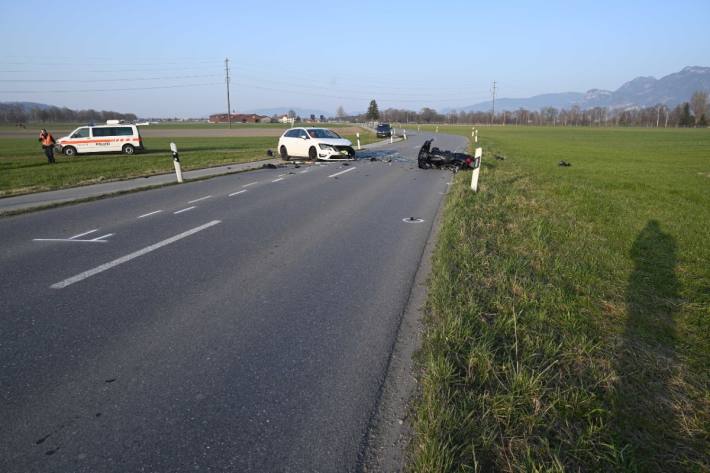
(314, 144)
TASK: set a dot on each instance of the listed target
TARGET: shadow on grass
(644, 401)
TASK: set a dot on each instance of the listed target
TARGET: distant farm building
(239, 118)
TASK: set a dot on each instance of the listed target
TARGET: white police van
(113, 136)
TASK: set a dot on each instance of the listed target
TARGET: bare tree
(340, 112)
(699, 104)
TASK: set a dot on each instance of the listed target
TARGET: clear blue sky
(320, 55)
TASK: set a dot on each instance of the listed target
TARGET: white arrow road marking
(84, 234)
(342, 172)
(135, 254)
(78, 239)
(102, 238)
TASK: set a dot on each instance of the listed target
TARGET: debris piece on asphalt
(269, 153)
(269, 166)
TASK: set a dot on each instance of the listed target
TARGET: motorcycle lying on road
(435, 158)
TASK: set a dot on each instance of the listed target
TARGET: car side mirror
(304, 137)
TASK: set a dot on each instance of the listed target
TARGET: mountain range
(669, 90)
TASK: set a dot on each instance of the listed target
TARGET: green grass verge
(568, 323)
(24, 169)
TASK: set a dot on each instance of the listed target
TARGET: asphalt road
(241, 323)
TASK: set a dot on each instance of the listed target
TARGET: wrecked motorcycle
(434, 157)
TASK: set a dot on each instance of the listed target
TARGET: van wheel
(128, 149)
(284, 153)
(69, 151)
(312, 153)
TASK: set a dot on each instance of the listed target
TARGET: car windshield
(322, 133)
(383, 127)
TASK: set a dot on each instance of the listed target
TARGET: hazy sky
(320, 55)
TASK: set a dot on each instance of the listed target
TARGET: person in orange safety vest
(47, 141)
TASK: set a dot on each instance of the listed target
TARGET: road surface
(241, 323)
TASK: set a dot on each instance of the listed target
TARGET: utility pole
(229, 105)
(493, 113)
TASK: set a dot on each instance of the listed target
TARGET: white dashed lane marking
(183, 210)
(198, 200)
(342, 172)
(149, 214)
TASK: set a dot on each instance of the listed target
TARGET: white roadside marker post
(474, 175)
(473, 130)
(176, 162)
(437, 128)
(358, 141)
(392, 136)
(404, 133)
(475, 139)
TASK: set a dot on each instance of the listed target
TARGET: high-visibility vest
(47, 140)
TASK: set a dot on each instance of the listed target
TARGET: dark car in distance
(384, 130)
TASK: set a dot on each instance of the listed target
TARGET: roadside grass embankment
(24, 169)
(568, 324)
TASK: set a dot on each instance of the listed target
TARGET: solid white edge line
(237, 193)
(84, 234)
(342, 172)
(183, 210)
(201, 198)
(149, 214)
(135, 254)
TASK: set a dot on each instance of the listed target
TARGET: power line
(124, 79)
(105, 90)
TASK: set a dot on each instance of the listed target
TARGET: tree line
(19, 114)
(695, 112)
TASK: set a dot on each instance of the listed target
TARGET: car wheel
(128, 149)
(312, 153)
(284, 153)
(69, 151)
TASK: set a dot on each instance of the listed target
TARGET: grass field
(24, 169)
(568, 324)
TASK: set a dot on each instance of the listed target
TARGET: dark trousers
(49, 152)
